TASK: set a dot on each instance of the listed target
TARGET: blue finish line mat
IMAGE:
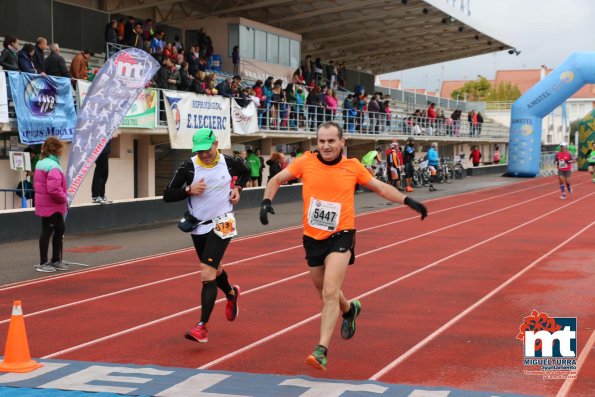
(59, 378)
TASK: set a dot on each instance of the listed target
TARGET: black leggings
(53, 224)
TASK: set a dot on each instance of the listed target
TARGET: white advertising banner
(3, 99)
(245, 120)
(187, 112)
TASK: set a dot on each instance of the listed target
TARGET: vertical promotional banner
(142, 113)
(112, 93)
(3, 99)
(44, 107)
(187, 112)
(245, 119)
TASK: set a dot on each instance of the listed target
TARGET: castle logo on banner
(111, 95)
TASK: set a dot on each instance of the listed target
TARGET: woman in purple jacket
(50, 204)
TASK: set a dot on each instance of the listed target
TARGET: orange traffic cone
(16, 355)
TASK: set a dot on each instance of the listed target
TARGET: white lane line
(125, 331)
(159, 320)
(277, 231)
(567, 385)
(468, 310)
(260, 256)
(389, 284)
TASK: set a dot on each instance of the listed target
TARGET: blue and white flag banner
(44, 107)
(187, 112)
(3, 99)
(115, 88)
(245, 120)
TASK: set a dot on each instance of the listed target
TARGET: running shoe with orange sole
(317, 359)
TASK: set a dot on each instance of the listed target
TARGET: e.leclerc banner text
(112, 93)
(187, 112)
(44, 107)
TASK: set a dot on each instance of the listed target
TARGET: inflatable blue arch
(529, 110)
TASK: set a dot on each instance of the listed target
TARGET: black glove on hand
(415, 205)
(265, 208)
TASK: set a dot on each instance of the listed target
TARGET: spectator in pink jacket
(332, 104)
(50, 204)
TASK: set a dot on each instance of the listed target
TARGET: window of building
(233, 38)
(246, 42)
(272, 48)
(284, 51)
(260, 45)
(295, 55)
(264, 46)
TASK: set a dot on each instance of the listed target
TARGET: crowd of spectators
(433, 121)
(31, 59)
(308, 99)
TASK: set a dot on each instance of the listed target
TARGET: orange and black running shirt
(328, 193)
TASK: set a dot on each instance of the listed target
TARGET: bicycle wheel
(416, 180)
(425, 179)
(459, 172)
(449, 175)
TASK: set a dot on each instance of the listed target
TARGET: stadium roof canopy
(378, 36)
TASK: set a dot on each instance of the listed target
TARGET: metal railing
(10, 197)
(302, 118)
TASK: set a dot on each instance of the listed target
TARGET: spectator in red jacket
(475, 156)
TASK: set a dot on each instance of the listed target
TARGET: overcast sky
(545, 31)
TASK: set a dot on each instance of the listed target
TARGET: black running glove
(265, 208)
(414, 205)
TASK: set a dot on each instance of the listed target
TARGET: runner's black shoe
(348, 325)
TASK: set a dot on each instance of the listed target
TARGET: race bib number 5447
(324, 215)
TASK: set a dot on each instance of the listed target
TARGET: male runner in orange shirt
(329, 225)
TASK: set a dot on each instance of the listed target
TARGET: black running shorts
(317, 250)
(408, 170)
(210, 248)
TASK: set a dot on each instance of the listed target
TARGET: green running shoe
(348, 326)
(318, 358)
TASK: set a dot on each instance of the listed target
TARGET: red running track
(442, 299)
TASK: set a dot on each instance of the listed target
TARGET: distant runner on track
(329, 225)
(564, 160)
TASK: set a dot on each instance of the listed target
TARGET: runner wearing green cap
(211, 183)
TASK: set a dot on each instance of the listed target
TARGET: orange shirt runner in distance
(328, 193)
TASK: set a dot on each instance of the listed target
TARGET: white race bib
(225, 226)
(324, 215)
(562, 164)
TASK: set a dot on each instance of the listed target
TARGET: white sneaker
(563, 196)
(60, 266)
(46, 268)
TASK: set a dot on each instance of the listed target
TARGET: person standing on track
(433, 164)
(408, 158)
(329, 225)
(50, 204)
(211, 183)
(590, 156)
(394, 160)
(564, 160)
(372, 158)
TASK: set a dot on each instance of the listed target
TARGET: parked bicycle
(447, 173)
(459, 170)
